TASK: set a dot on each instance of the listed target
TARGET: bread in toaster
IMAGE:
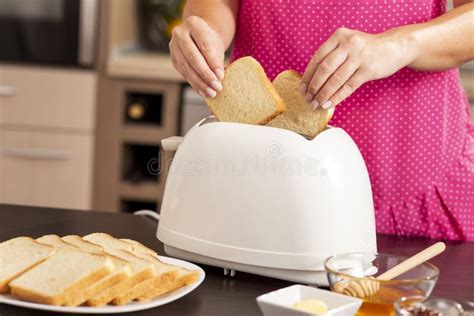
(61, 277)
(247, 95)
(18, 255)
(298, 117)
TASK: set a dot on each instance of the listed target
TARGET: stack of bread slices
(249, 97)
(92, 270)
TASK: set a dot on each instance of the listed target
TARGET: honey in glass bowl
(348, 271)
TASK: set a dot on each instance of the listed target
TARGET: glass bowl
(347, 272)
(418, 305)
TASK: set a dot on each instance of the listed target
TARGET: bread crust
(295, 119)
(112, 292)
(67, 294)
(163, 283)
(4, 284)
(184, 280)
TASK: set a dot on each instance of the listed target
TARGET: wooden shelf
(142, 65)
(147, 135)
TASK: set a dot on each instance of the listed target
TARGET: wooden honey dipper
(368, 287)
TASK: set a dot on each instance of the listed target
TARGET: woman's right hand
(197, 52)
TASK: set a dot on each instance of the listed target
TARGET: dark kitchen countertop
(219, 295)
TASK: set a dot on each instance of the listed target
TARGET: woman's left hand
(349, 59)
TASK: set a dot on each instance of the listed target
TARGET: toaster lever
(171, 143)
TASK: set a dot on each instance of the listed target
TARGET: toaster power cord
(149, 213)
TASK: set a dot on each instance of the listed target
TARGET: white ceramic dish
(109, 309)
(279, 302)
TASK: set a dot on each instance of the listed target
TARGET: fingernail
(309, 97)
(216, 85)
(201, 93)
(220, 74)
(314, 104)
(303, 88)
(327, 105)
(210, 92)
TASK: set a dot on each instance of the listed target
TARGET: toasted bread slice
(18, 255)
(247, 96)
(61, 277)
(119, 274)
(141, 269)
(298, 117)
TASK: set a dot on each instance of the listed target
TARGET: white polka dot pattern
(412, 128)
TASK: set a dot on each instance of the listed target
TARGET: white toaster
(266, 200)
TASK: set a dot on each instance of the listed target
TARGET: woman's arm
(198, 45)
(350, 58)
(220, 15)
(442, 43)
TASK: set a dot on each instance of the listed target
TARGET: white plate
(110, 309)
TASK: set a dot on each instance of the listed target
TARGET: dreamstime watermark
(272, 161)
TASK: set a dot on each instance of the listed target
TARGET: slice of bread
(183, 277)
(56, 241)
(298, 117)
(119, 274)
(61, 277)
(247, 96)
(82, 244)
(141, 269)
(140, 247)
(165, 275)
(18, 255)
(164, 281)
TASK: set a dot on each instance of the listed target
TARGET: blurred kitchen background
(87, 91)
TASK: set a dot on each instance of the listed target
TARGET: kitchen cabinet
(46, 168)
(48, 97)
(47, 135)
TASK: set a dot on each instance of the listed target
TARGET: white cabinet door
(46, 169)
(47, 97)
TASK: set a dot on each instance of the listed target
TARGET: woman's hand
(197, 52)
(347, 60)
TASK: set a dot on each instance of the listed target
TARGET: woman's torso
(412, 128)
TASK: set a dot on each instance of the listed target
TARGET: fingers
(334, 83)
(183, 67)
(346, 89)
(213, 54)
(197, 52)
(325, 69)
(320, 54)
(199, 64)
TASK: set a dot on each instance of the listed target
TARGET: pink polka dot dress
(413, 128)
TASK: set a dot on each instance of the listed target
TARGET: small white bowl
(279, 302)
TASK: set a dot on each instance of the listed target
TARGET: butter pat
(313, 306)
